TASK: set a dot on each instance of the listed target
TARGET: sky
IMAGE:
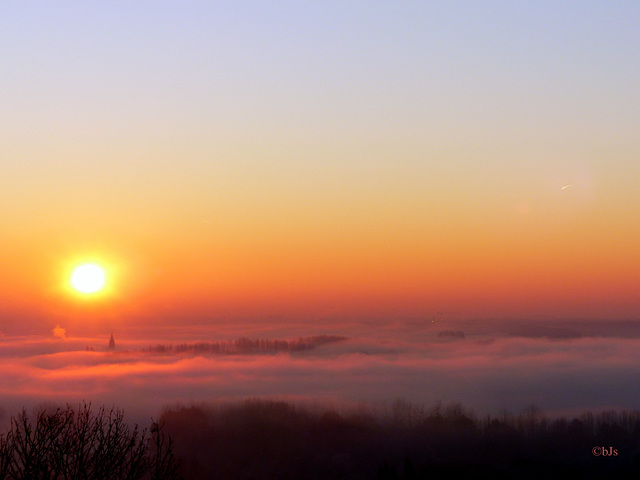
(318, 160)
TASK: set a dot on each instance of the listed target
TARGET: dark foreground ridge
(271, 440)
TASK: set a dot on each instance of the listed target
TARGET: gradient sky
(319, 159)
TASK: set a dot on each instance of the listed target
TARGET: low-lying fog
(560, 367)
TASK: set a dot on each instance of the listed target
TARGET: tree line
(246, 345)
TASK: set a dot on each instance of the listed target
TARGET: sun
(88, 278)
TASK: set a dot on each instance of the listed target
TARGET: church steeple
(112, 343)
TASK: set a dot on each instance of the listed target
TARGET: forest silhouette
(263, 439)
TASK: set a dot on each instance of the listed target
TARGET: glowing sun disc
(88, 278)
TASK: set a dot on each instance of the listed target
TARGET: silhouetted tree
(80, 444)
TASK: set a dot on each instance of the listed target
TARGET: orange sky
(370, 164)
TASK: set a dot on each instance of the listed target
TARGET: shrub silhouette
(69, 444)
